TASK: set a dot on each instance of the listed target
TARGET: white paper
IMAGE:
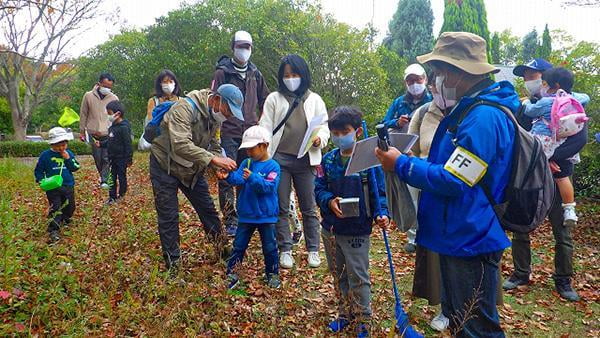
(363, 156)
(311, 131)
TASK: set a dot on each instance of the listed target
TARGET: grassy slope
(105, 277)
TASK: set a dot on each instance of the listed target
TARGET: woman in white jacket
(287, 114)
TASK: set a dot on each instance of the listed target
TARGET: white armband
(466, 166)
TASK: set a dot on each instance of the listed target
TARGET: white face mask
(416, 89)
(448, 93)
(168, 88)
(104, 91)
(292, 83)
(441, 103)
(112, 118)
(533, 87)
(219, 117)
(242, 54)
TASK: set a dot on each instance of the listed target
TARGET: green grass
(106, 275)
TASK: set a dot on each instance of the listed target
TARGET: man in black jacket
(120, 152)
(242, 73)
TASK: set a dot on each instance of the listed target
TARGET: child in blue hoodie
(347, 238)
(554, 80)
(58, 160)
(257, 204)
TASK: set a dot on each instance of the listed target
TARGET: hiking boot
(232, 281)
(338, 324)
(410, 247)
(513, 282)
(54, 237)
(231, 230)
(314, 261)
(569, 215)
(286, 261)
(362, 330)
(273, 281)
(564, 289)
(297, 236)
(440, 322)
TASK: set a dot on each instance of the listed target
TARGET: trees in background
(411, 29)
(36, 35)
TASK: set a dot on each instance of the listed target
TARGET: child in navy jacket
(257, 204)
(58, 160)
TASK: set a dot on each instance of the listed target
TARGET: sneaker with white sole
(286, 261)
(314, 261)
(440, 322)
(569, 215)
(104, 186)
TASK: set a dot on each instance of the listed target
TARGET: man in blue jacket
(471, 146)
(403, 107)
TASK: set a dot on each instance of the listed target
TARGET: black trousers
(118, 173)
(62, 206)
(165, 189)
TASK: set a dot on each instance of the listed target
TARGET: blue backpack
(152, 129)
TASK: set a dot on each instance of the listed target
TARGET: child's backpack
(567, 115)
(152, 130)
(529, 194)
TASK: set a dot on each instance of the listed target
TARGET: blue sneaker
(231, 230)
(338, 324)
(362, 331)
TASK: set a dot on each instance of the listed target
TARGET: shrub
(33, 149)
(587, 173)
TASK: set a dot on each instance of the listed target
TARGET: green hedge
(587, 173)
(33, 149)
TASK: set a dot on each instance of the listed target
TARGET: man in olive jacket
(180, 155)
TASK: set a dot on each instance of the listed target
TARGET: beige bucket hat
(463, 50)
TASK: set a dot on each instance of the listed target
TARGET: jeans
(243, 236)
(165, 189)
(563, 246)
(227, 191)
(467, 281)
(100, 156)
(118, 172)
(348, 262)
(299, 172)
(62, 206)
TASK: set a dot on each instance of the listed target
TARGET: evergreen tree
(467, 16)
(411, 29)
(546, 47)
(495, 48)
(530, 46)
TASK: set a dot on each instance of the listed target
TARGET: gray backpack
(529, 194)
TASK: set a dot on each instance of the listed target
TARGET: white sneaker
(314, 261)
(440, 322)
(569, 215)
(286, 261)
(104, 186)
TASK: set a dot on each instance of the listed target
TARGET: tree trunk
(19, 117)
(20, 130)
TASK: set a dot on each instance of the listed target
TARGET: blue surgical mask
(345, 142)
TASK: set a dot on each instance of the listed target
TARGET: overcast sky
(519, 15)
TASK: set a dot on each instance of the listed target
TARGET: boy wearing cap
(186, 147)
(58, 160)
(242, 73)
(258, 205)
(401, 110)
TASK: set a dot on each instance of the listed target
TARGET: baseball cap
(535, 64)
(242, 38)
(414, 69)
(234, 98)
(58, 134)
(255, 135)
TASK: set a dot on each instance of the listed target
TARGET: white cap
(255, 135)
(414, 69)
(58, 134)
(242, 37)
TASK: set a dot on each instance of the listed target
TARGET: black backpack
(529, 194)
